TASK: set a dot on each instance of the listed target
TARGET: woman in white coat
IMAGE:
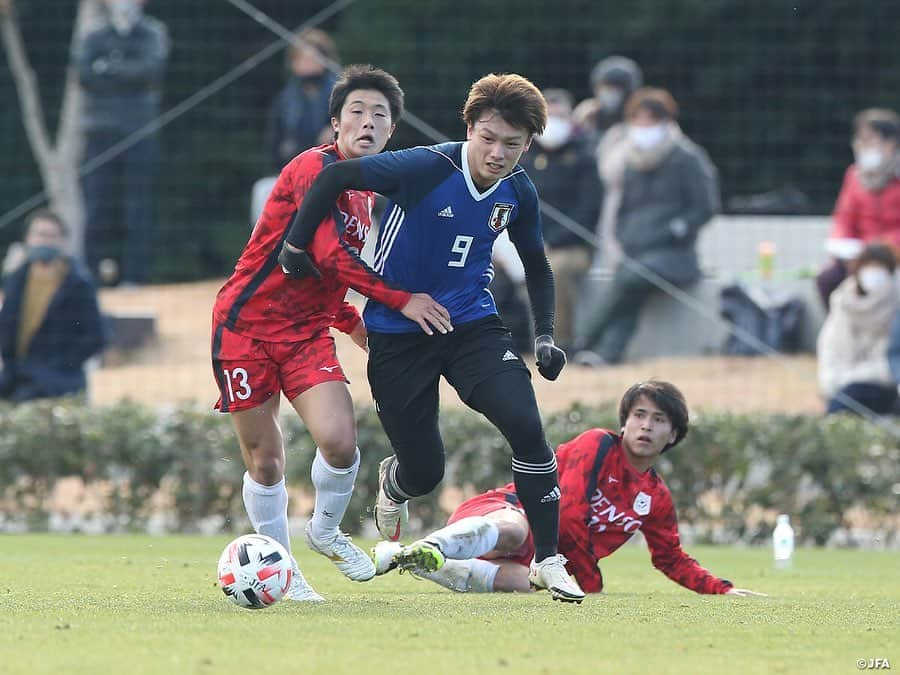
(852, 347)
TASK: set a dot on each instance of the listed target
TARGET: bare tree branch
(26, 85)
(59, 164)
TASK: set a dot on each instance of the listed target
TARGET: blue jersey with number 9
(438, 231)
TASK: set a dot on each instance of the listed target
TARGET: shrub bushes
(729, 477)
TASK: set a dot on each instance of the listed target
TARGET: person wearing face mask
(852, 347)
(120, 67)
(561, 166)
(868, 206)
(298, 117)
(613, 80)
(669, 191)
(50, 322)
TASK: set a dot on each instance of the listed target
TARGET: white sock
(481, 576)
(466, 538)
(267, 508)
(334, 487)
(464, 576)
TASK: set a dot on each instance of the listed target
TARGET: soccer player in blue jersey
(448, 203)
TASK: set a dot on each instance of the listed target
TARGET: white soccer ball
(255, 571)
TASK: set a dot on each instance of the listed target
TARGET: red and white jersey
(259, 301)
(605, 500)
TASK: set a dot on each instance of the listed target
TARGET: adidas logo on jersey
(552, 496)
(446, 212)
(509, 356)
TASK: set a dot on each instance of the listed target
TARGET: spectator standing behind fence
(853, 343)
(561, 166)
(120, 66)
(298, 118)
(670, 190)
(868, 206)
(613, 79)
(50, 322)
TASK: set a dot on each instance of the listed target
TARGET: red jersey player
(271, 334)
(609, 492)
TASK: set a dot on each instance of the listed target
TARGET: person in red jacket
(271, 334)
(868, 207)
(609, 491)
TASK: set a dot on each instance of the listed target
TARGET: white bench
(729, 251)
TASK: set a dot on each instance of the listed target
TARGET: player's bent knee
(513, 530)
(423, 480)
(338, 446)
(266, 469)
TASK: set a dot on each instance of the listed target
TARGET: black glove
(297, 264)
(550, 358)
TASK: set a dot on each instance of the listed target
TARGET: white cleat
(551, 574)
(390, 516)
(383, 555)
(347, 556)
(300, 590)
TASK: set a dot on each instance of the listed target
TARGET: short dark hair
(667, 397)
(880, 254)
(515, 98)
(619, 71)
(365, 76)
(658, 102)
(47, 214)
(883, 121)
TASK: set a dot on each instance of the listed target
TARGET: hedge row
(728, 478)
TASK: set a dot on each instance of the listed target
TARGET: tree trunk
(58, 163)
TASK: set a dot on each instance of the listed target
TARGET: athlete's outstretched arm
(315, 208)
(321, 197)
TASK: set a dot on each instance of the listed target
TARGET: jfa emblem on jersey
(641, 504)
(500, 216)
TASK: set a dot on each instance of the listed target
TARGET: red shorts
(496, 500)
(249, 371)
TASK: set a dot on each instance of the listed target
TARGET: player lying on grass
(609, 491)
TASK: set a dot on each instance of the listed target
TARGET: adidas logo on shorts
(509, 356)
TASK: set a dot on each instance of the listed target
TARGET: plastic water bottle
(783, 542)
(766, 252)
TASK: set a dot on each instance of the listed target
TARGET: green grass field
(139, 604)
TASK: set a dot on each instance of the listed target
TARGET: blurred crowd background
(153, 130)
(769, 88)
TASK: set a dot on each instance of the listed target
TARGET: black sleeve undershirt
(539, 280)
(321, 197)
